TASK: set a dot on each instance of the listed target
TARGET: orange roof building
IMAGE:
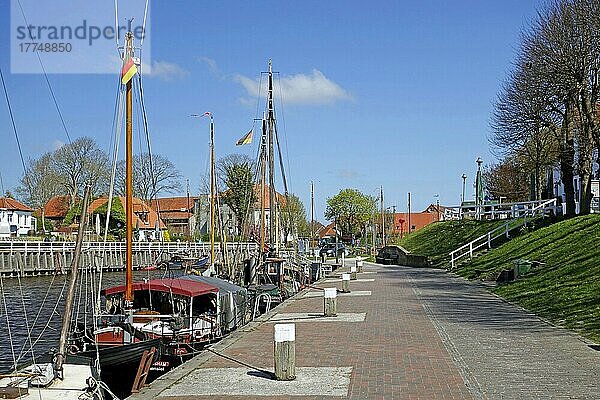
(178, 213)
(57, 207)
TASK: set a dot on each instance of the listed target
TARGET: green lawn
(437, 240)
(564, 290)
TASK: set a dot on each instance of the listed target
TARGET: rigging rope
(14, 126)
(25, 318)
(12, 348)
(62, 120)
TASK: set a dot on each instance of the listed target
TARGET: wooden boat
(185, 313)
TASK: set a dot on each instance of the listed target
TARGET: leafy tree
(351, 209)
(293, 217)
(236, 173)
(118, 221)
(167, 179)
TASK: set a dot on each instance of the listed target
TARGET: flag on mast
(246, 139)
(129, 70)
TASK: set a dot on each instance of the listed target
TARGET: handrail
(472, 245)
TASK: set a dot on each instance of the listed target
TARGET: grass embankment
(564, 290)
(437, 240)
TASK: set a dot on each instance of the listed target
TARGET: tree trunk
(44, 219)
(585, 176)
(567, 158)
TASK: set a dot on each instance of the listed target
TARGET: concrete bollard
(345, 283)
(285, 352)
(353, 272)
(359, 265)
(330, 302)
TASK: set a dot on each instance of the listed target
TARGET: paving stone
(422, 334)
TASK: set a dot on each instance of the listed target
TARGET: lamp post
(462, 198)
(478, 189)
(437, 205)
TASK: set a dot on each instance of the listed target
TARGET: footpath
(401, 333)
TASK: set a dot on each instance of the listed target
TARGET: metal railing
(493, 210)
(485, 241)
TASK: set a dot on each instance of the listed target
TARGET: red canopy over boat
(184, 287)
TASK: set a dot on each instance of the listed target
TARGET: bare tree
(553, 89)
(150, 179)
(508, 179)
(80, 162)
(39, 184)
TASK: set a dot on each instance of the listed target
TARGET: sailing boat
(272, 278)
(183, 314)
(119, 346)
(65, 376)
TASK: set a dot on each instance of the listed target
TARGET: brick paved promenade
(402, 333)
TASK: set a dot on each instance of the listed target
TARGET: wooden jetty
(29, 258)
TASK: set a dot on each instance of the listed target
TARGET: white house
(15, 218)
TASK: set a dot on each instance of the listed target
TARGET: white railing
(493, 211)
(167, 247)
(542, 208)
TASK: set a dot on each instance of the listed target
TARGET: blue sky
(391, 93)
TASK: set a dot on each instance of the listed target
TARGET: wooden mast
(270, 126)
(212, 192)
(64, 332)
(128, 181)
(312, 216)
(263, 169)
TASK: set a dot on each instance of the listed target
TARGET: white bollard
(330, 302)
(345, 283)
(359, 264)
(353, 272)
(285, 352)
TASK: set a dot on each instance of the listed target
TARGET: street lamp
(437, 205)
(478, 188)
(462, 198)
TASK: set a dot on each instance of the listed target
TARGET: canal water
(38, 303)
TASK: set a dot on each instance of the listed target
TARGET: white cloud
(211, 64)
(166, 71)
(313, 88)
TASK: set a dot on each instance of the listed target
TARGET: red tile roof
(57, 207)
(327, 230)
(278, 196)
(173, 203)
(12, 204)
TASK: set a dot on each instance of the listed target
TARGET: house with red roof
(178, 213)
(56, 209)
(15, 218)
(145, 220)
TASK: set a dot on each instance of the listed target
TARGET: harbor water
(31, 312)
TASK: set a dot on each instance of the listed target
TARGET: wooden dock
(28, 258)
